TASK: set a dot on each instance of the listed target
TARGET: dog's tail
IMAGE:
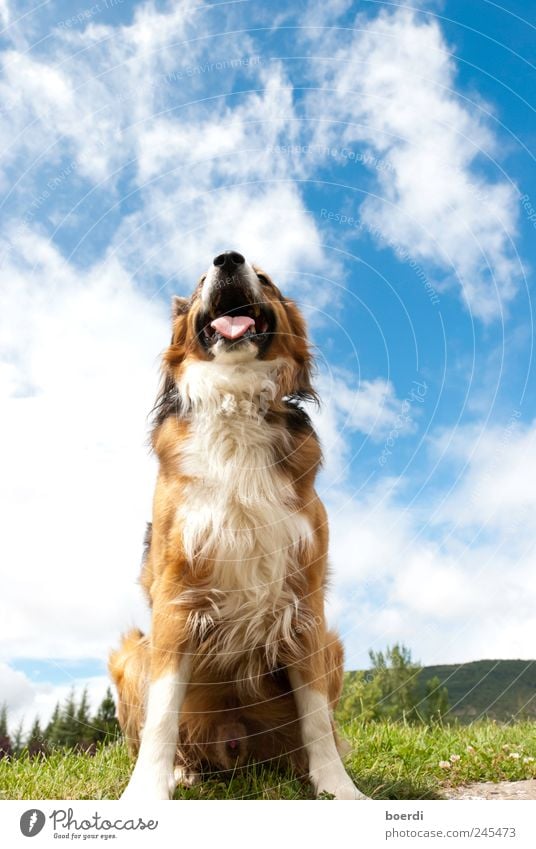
(128, 667)
(128, 652)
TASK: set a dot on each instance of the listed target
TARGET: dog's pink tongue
(232, 326)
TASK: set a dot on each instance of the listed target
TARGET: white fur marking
(244, 272)
(153, 775)
(325, 766)
(238, 508)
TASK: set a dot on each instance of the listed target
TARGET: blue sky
(377, 160)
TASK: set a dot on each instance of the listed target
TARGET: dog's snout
(228, 260)
(231, 288)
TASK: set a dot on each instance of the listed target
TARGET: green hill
(498, 689)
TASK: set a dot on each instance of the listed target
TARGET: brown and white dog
(239, 664)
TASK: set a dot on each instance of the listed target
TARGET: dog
(239, 665)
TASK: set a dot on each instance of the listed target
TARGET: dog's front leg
(170, 667)
(309, 682)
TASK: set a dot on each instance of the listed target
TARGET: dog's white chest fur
(238, 509)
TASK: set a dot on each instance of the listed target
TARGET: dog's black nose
(228, 260)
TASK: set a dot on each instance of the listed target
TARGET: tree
(436, 700)
(68, 728)
(82, 714)
(36, 744)
(71, 724)
(6, 748)
(3, 720)
(359, 698)
(83, 719)
(388, 690)
(397, 677)
(62, 729)
(17, 739)
(105, 724)
(51, 731)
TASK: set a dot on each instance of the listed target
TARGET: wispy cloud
(369, 409)
(391, 86)
(442, 576)
(79, 371)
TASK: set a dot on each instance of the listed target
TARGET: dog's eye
(263, 279)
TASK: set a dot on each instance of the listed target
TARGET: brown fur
(265, 726)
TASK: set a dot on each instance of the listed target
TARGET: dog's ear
(179, 319)
(179, 306)
(302, 387)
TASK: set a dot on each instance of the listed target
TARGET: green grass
(388, 761)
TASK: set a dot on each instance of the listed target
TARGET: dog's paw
(145, 793)
(185, 777)
(337, 783)
(144, 787)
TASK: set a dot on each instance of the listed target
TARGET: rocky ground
(491, 790)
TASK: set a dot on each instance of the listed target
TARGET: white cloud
(210, 183)
(80, 373)
(26, 699)
(87, 95)
(4, 13)
(15, 687)
(325, 14)
(101, 94)
(350, 406)
(228, 142)
(361, 550)
(391, 86)
(205, 178)
(177, 238)
(455, 582)
(496, 492)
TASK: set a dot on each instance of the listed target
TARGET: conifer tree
(36, 742)
(83, 718)
(17, 742)
(105, 724)
(68, 726)
(6, 747)
(51, 731)
(3, 720)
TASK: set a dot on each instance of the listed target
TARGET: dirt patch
(491, 790)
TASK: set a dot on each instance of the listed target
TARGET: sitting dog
(239, 665)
